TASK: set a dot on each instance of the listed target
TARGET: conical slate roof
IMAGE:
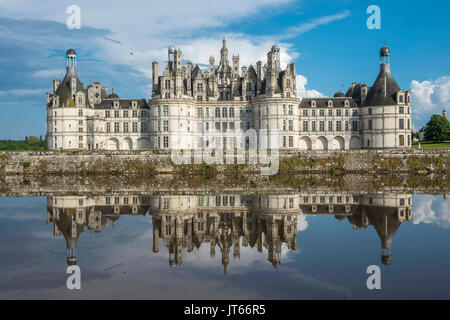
(63, 89)
(377, 95)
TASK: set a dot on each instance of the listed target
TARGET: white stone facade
(188, 102)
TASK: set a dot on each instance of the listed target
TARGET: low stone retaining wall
(157, 162)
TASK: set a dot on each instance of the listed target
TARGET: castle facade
(189, 103)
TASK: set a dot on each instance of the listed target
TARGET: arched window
(217, 112)
(224, 112)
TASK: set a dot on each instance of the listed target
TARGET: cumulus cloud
(429, 97)
(430, 209)
(302, 92)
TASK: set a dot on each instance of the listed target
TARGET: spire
(224, 53)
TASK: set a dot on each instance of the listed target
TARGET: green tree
(438, 129)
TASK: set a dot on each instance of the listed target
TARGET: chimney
(155, 77)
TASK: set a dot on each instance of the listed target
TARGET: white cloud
(430, 209)
(314, 24)
(52, 73)
(21, 92)
(429, 97)
(302, 224)
(302, 92)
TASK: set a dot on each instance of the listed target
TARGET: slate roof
(376, 96)
(123, 104)
(323, 102)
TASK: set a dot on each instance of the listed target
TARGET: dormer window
(116, 104)
(346, 103)
(313, 103)
(330, 103)
(134, 104)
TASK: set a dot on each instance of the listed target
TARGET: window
(313, 126)
(369, 125)
(291, 125)
(116, 113)
(165, 111)
(165, 125)
(125, 113)
(291, 141)
(339, 112)
(134, 113)
(354, 112)
(284, 125)
(108, 127)
(80, 112)
(305, 126)
(217, 114)
(199, 86)
(330, 112)
(224, 112)
(166, 142)
(401, 110)
(402, 140)
(80, 122)
(330, 125)
(305, 112)
(199, 112)
(369, 111)
(346, 112)
(231, 112)
(134, 127)
(166, 84)
(338, 125)
(409, 124)
(346, 125)
(291, 110)
(284, 141)
(321, 113)
(354, 125)
(321, 125)
(107, 114)
(401, 123)
(125, 127)
(313, 113)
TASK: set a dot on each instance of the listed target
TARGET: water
(227, 246)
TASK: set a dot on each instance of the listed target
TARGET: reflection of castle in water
(227, 222)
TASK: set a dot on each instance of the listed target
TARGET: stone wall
(159, 162)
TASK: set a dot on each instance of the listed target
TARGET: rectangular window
(199, 112)
(369, 124)
(116, 113)
(354, 126)
(354, 112)
(166, 142)
(125, 113)
(322, 126)
(135, 114)
(291, 141)
(165, 125)
(321, 113)
(305, 112)
(107, 114)
(401, 110)
(165, 111)
(338, 112)
(108, 127)
(313, 126)
(291, 125)
(401, 123)
(330, 113)
(313, 113)
(116, 127)
(125, 127)
(305, 126)
(134, 127)
(338, 125)
(330, 125)
(346, 125)
(291, 110)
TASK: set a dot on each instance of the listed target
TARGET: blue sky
(328, 40)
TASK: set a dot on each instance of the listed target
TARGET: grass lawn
(431, 145)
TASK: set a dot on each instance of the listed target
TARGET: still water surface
(228, 246)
